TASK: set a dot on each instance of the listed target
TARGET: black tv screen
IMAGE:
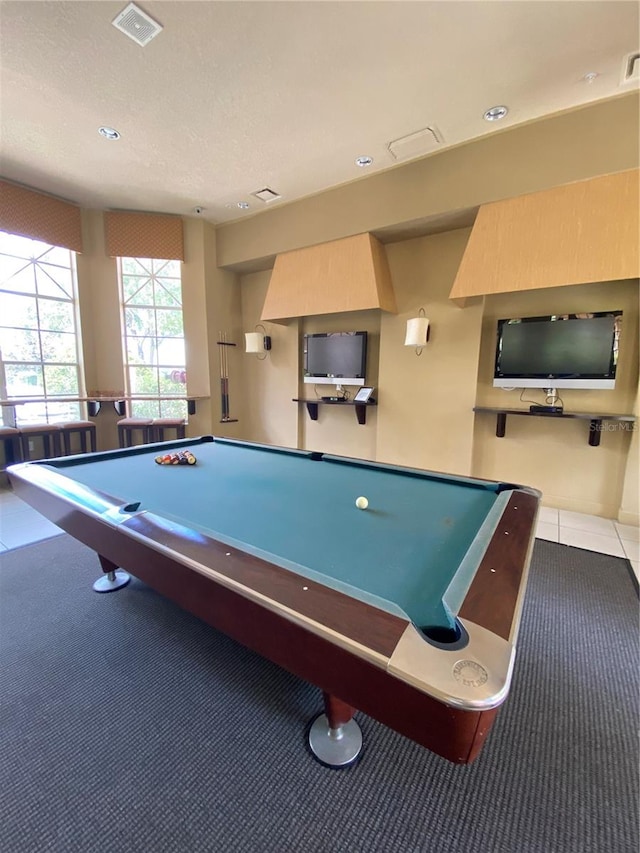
(562, 351)
(335, 355)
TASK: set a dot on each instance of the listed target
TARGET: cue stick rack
(223, 343)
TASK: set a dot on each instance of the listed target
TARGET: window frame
(51, 409)
(151, 274)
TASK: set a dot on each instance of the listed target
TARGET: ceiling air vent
(631, 68)
(136, 24)
(266, 194)
(415, 144)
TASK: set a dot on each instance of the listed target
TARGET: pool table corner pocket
(474, 678)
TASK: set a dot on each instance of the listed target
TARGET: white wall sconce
(258, 342)
(417, 332)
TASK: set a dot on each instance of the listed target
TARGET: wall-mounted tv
(335, 358)
(558, 351)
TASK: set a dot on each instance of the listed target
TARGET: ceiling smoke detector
(266, 194)
(136, 24)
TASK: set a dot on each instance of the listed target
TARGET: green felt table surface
(298, 511)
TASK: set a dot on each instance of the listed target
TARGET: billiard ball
(362, 503)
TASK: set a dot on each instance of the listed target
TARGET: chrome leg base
(112, 581)
(336, 748)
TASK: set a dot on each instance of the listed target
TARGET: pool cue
(224, 377)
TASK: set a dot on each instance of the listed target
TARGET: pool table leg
(113, 577)
(334, 737)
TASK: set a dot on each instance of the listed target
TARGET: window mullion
(157, 338)
(39, 331)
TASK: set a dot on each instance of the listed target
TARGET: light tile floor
(591, 533)
(21, 525)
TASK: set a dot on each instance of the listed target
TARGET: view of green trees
(154, 335)
(39, 332)
(38, 341)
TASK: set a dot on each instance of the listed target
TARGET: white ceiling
(232, 97)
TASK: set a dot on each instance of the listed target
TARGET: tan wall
(337, 429)
(426, 418)
(222, 313)
(100, 323)
(630, 505)
(99, 305)
(271, 383)
(554, 455)
(595, 140)
(425, 414)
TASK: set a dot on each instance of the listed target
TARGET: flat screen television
(558, 351)
(335, 358)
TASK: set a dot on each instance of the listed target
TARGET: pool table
(406, 610)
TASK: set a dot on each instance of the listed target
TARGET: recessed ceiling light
(590, 76)
(364, 161)
(109, 132)
(243, 205)
(495, 113)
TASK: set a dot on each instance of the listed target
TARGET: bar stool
(10, 438)
(127, 428)
(160, 424)
(83, 429)
(50, 435)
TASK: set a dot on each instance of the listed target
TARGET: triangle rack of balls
(183, 457)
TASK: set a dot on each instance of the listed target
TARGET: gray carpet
(127, 725)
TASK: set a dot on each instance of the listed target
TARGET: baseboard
(584, 506)
(632, 518)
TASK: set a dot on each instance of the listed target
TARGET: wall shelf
(361, 408)
(595, 420)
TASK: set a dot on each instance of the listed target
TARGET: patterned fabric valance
(33, 214)
(143, 235)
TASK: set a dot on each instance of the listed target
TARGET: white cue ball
(362, 503)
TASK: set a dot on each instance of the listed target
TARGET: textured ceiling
(232, 97)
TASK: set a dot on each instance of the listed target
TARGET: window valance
(33, 214)
(143, 235)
